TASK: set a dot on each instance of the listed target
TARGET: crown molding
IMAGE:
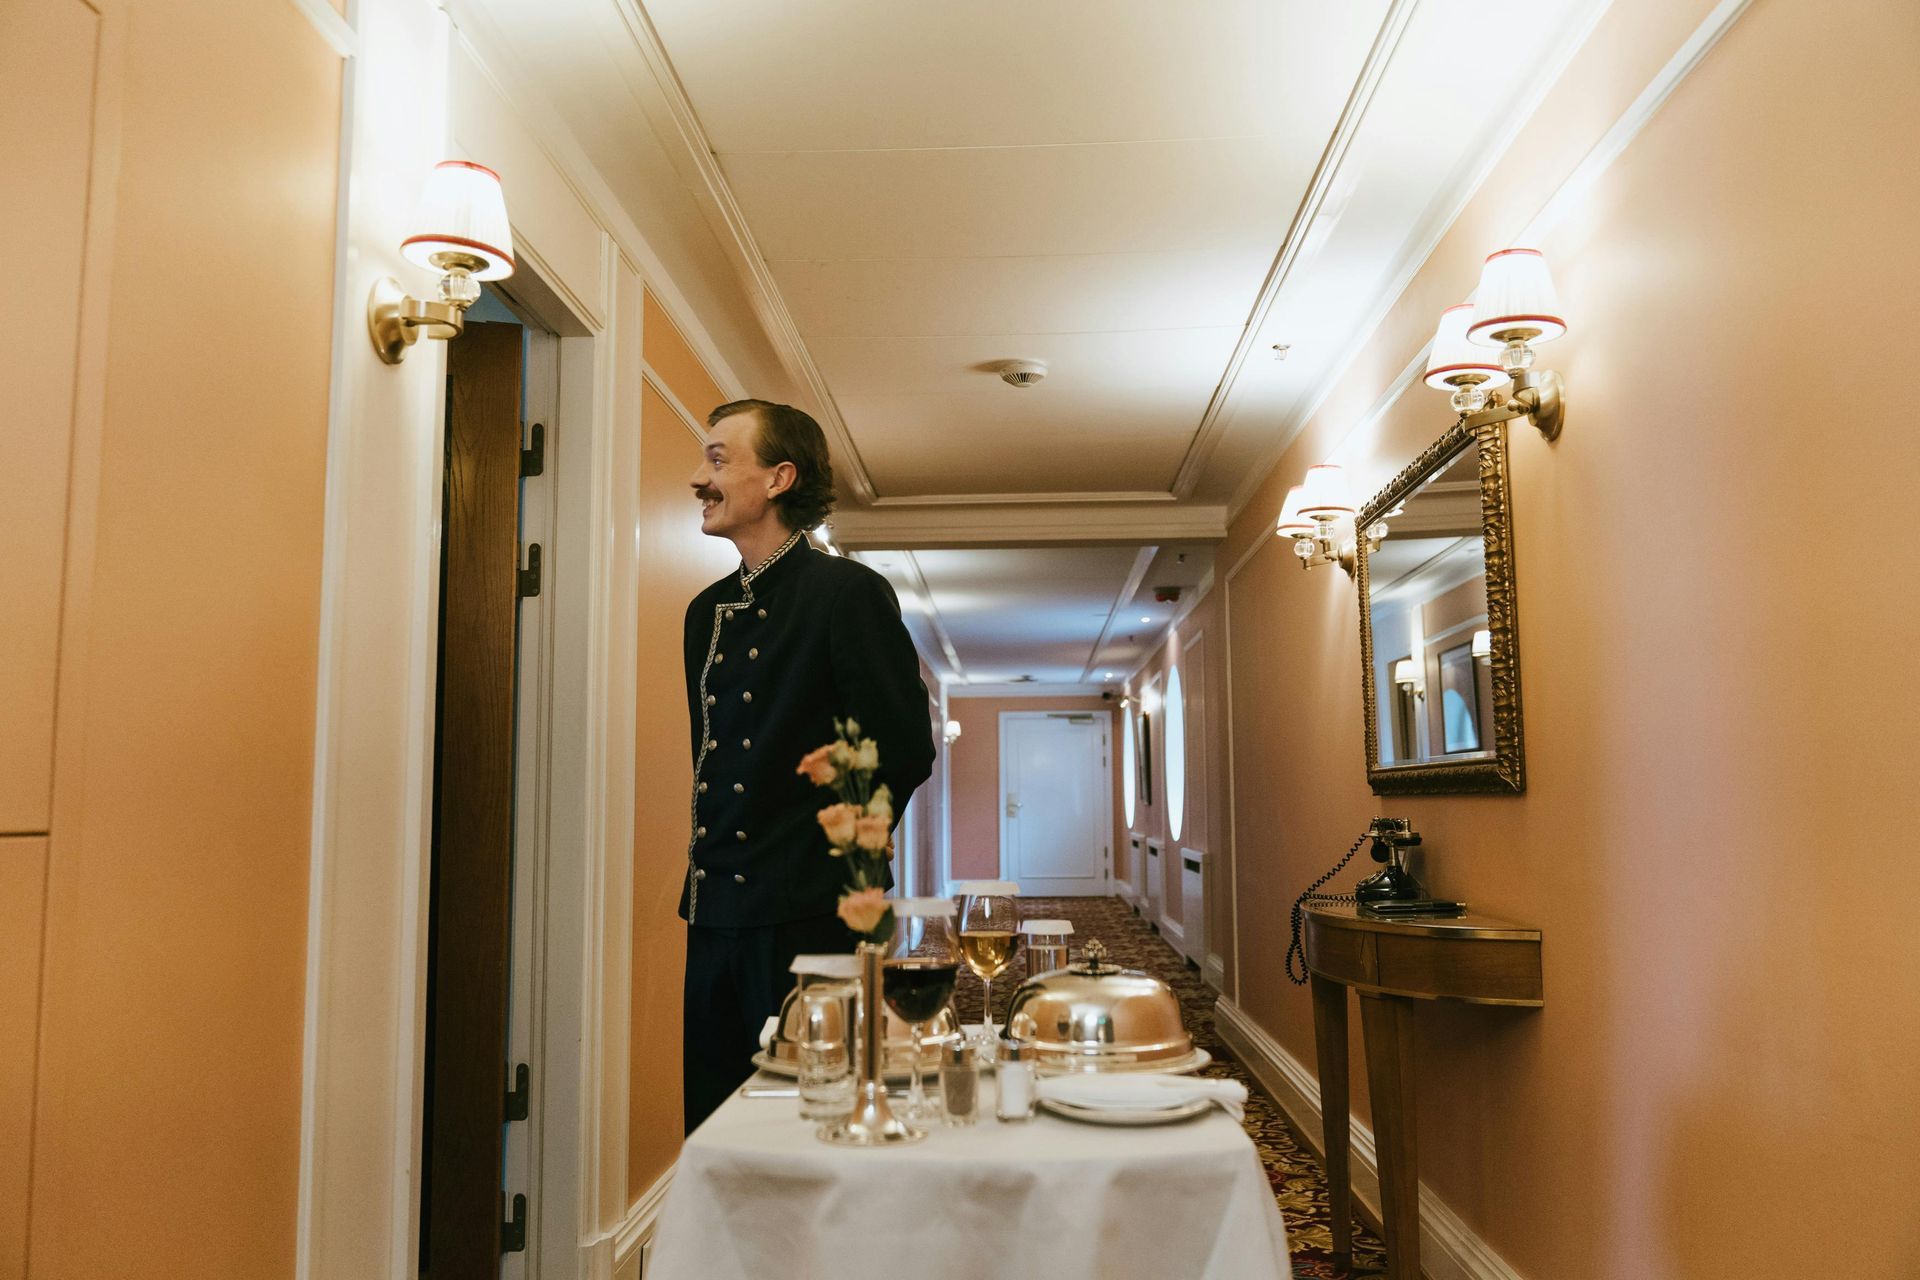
(1141, 563)
(1326, 174)
(1020, 499)
(696, 159)
(987, 525)
(1038, 689)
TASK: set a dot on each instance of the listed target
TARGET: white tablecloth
(757, 1197)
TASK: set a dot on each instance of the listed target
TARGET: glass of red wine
(918, 982)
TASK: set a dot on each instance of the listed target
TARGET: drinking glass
(918, 981)
(826, 1051)
(989, 939)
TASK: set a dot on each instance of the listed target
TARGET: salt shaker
(959, 1082)
(1017, 1098)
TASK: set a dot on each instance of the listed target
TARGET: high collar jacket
(772, 661)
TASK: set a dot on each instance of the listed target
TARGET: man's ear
(782, 478)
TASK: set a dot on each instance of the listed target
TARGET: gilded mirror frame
(1505, 771)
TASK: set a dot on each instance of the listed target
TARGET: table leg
(1330, 1048)
(1387, 1022)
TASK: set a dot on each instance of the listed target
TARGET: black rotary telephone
(1391, 893)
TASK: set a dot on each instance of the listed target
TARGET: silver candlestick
(872, 1123)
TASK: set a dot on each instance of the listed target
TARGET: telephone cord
(1296, 951)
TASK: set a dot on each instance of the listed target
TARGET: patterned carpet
(1298, 1182)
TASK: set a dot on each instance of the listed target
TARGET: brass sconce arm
(1538, 395)
(396, 320)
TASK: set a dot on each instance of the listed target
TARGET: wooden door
(470, 911)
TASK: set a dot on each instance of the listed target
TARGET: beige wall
(1715, 611)
(975, 777)
(677, 561)
(166, 1106)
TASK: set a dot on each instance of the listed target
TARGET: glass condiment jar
(959, 1082)
(1017, 1098)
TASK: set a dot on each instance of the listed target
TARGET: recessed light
(1145, 618)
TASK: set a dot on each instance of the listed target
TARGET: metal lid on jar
(1096, 1016)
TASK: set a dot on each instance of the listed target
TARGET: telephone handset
(1391, 892)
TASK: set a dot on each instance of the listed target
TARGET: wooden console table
(1390, 964)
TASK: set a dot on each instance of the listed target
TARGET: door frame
(1105, 767)
(583, 270)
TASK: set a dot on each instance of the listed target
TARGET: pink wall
(975, 777)
(1716, 612)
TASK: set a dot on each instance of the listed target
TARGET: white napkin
(1143, 1091)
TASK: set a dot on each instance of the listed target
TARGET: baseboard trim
(635, 1232)
(1449, 1249)
(1172, 931)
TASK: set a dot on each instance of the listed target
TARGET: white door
(1056, 793)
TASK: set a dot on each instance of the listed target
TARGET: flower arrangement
(858, 826)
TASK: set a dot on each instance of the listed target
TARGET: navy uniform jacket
(773, 657)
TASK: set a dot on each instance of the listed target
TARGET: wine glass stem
(986, 1008)
(916, 1096)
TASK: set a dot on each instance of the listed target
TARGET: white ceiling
(998, 618)
(1145, 197)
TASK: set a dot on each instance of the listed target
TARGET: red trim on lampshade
(1500, 253)
(1495, 321)
(1458, 306)
(1443, 370)
(467, 164)
(481, 245)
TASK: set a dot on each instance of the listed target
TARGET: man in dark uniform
(775, 652)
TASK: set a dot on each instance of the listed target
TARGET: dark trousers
(736, 979)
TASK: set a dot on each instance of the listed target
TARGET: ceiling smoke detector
(1022, 373)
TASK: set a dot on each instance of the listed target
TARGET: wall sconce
(1406, 674)
(952, 732)
(1515, 307)
(460, 230)
(1318, 516)
(1483, 645)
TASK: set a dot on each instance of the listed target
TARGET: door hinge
(513, 1232)
(529, 580)
(533, 458)
(518, 1096)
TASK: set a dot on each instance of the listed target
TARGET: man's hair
(786, 434)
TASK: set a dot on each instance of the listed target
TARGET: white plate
(1129, 1115)
(1183, 1066)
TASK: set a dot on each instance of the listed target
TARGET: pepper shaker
(959, 1082)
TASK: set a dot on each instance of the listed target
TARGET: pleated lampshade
(462, 211)
(1453, 355)
(1326, 495)
(1292, 523)
(1516, 292)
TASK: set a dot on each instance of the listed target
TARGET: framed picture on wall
(1146, 758)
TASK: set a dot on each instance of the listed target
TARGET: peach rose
(871, 833)
(866, 756)
(841, 754)
(881, 805)
(817, 768)
(862, 909)
(838, 821)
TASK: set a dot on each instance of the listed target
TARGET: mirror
(1438, 649)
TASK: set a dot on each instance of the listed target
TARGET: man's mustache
(707, 495)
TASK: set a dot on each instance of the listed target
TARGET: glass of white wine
(989, 939)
